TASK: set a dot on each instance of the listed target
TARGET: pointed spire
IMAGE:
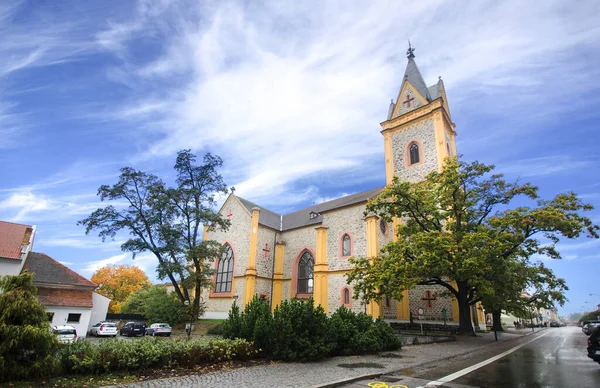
(413, 75)
(391, 109)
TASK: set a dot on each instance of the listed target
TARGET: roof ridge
(257, 205)
(65, 267)
(322, 204)
(16, 223)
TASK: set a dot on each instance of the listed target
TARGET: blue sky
(290, 96)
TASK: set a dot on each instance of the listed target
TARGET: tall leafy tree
(167, 221)
(156, 304)
(118, 283)
(26, 344)
(456, 227)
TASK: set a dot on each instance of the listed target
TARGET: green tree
(574, 316)
(456, 226)
(156, 304)
(167, 221)
(26, 343)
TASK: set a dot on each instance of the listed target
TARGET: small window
(50, 316)
(73, 318)
(448, 148)
(346, 296)
(346, 251)
(414, 153)
(383, 226)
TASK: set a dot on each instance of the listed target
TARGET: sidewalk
(328, 371)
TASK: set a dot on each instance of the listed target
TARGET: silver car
(104, 329)
(66, 334)
(588, 328)
(157, 329)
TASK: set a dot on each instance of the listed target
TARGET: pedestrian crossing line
(460, 373)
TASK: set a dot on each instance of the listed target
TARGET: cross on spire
(408, 100)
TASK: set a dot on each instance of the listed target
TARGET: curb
(337, 383)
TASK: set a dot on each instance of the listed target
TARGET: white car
(65, 334)
(104, 329)
(159, 329)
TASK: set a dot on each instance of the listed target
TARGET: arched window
(224, 270)
(448, 148)
(383, 227)
(346, 297)
(414, 153)
(346, 251)
(306, 265)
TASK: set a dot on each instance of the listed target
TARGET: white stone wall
(336, 282)
(264, 265)
(263, 286)
(389, 308)
(435, 312)
(10, 267)
(347, 220)
(422, 131)
(414, 104)
(238, 235)
(99, 309)
(295, 241)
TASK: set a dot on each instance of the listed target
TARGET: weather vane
(410, 53)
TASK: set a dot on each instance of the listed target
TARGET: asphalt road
(554, 357)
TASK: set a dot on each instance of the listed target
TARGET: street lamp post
(189, 330)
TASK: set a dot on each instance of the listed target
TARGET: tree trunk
(497, 322)
(465, 326)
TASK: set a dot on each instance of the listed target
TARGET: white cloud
(546, 165)
(287, 93)
(93, 266)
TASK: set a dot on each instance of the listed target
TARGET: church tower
(418, 133)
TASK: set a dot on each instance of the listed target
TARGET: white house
(69, 298)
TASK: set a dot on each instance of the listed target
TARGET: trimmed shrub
(253, 324)
(358, 333)
(217, 329)
(300, 331)
(113, 355)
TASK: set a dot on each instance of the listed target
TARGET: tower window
(305, 273)
(448, 148)
(383, 227)
(414, 153)
(346, 251)
(346, 300)
(346, 296)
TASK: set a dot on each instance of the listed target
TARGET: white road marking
(460, 373)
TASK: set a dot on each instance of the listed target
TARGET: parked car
(590, 326)
(132, 329)
(156, 329)
(594, 345)
(104, 329)
(66, 334)
(554, 324)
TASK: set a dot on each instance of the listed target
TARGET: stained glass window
(305, 273)
(225, 270)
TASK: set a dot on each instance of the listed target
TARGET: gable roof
(50, 272)
(12, 238)
(301, 218)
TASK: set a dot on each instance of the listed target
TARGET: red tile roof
(49, 271)
(67, 298)
(11, 239)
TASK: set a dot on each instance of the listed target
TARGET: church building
(305, 253)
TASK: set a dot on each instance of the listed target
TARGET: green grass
(78, 381)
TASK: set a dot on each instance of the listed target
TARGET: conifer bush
(26, 343)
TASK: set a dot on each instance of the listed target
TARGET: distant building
(69, 298)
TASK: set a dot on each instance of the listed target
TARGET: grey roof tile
(413, 75)
(301, 218)
(49, 271)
